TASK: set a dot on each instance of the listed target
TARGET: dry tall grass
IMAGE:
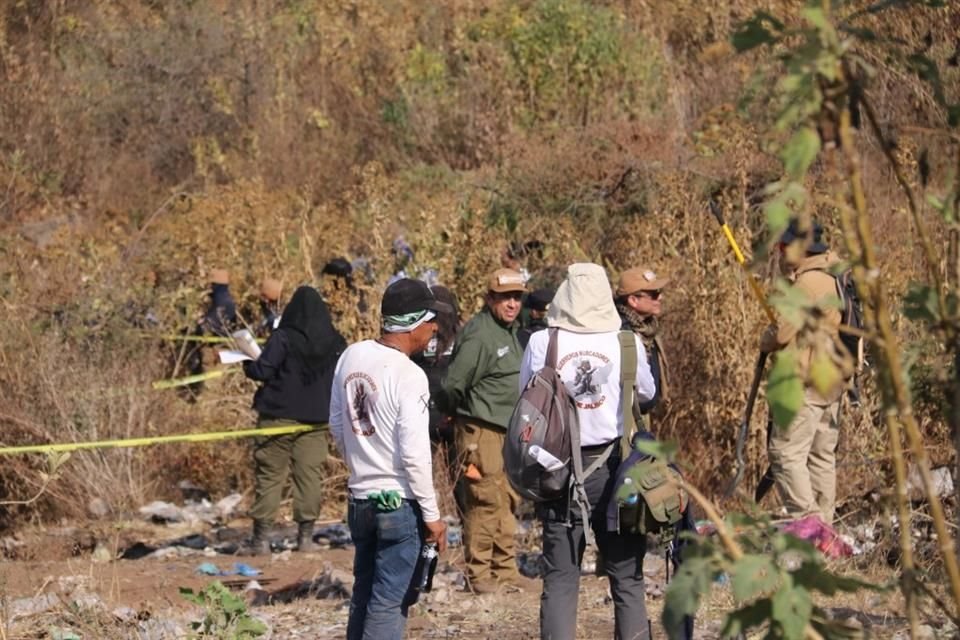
(298, 153)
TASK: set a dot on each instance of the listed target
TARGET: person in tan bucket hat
(270, 307)
(481, 390)
(639, 301)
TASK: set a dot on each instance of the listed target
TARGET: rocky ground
(73, 582)
(123, 580)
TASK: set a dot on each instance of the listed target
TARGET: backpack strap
(551, 357)
(578, 490)
(628, 376)
(579, 475)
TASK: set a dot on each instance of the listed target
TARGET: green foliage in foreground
(225, 614)
(773, 582)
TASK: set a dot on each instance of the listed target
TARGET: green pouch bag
(651, 497)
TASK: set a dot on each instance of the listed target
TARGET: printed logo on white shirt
(362, 391)
(584, 373)
(502, 351)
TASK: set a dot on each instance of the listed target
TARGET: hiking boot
(305, 541)
(258, 545)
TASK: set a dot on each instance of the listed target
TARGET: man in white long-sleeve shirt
(379, 420)
(586, 324)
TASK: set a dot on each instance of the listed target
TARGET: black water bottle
(426, 566)
(422, 573)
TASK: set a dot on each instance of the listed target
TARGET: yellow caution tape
(182, 382)
(143, 442)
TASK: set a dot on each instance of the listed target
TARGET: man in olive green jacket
(481, 388)
(803, 455)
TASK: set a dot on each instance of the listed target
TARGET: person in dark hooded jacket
(296, 369)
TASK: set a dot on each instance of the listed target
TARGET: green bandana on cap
(406, 322)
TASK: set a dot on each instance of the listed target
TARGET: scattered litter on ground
(192, 492)
(239, 569)
(942, 481)
(329, 584)
(334, 535)
(196, 541)
(193, 512)
(161, 512)
(26, 607)
(125, 614)
(60, 633)
(136, 551)
(161, 629)
(814, 530)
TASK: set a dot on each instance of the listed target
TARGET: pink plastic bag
(812, 529)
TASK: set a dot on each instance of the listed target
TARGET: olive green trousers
(274, 457)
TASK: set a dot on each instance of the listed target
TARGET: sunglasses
(513, 295)
(653, 295)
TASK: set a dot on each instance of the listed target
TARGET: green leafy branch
(773, 577)
(225, 614)
(821, 93)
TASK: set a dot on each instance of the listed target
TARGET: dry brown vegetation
(142, 143)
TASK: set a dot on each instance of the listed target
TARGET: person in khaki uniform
(481, 390)
(803, 455)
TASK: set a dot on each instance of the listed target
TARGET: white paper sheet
(247, 343)
(228, 356)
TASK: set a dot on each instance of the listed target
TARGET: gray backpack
(544, 432)
(537, 449)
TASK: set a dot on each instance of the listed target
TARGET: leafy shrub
(225, 614)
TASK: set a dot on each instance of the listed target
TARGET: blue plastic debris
(245, 570)
(239, 569)
(209, 569)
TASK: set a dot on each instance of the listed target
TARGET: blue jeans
(387, 546)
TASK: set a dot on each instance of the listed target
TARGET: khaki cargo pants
(489, 503)
(273, 458)
(803, 458)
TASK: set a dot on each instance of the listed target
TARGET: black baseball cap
(540, 299)
(813, 236)
(407, 295)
